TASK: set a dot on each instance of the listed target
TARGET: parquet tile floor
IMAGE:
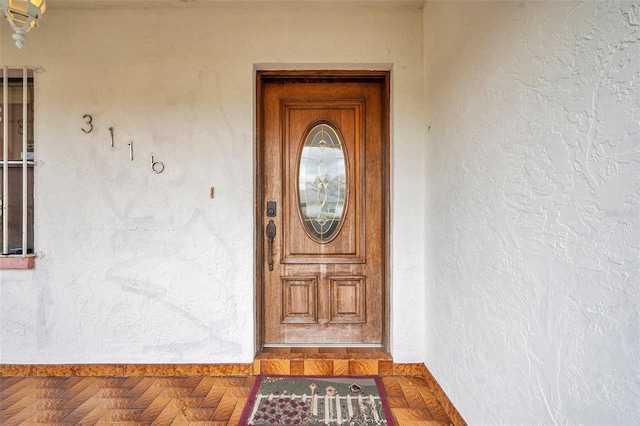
(192, 400)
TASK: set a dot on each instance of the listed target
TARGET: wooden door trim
(320, 76)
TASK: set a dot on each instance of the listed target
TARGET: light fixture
(22, 16)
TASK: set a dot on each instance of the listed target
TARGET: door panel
(299, 300)
(322, 156)
(348, 244)
(348, 296)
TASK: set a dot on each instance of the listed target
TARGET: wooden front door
(322, 213)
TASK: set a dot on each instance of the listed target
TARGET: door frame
(269, 76)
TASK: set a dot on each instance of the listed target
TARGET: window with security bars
(16, 179)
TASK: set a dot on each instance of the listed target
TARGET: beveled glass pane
(322, 182)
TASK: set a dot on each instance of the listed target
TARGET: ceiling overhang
(134, 4)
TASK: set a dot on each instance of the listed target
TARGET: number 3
(89, 122)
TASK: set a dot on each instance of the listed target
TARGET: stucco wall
(138, 267)
(533, 160)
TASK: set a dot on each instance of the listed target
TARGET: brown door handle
(271, 234)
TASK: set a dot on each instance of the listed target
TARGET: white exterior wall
(136, 267)
(533, 230)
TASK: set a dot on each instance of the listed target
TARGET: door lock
(271, 209)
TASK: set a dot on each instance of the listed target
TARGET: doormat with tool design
(317, 400)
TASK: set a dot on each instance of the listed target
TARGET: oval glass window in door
(322, 182)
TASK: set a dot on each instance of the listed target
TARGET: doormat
(317, 400)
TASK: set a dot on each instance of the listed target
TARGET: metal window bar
(5, 160)
(24, 163)
(25, 156)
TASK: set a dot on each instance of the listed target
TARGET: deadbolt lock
(271, 209)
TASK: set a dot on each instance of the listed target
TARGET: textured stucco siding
(135, 266)
(533, 230)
